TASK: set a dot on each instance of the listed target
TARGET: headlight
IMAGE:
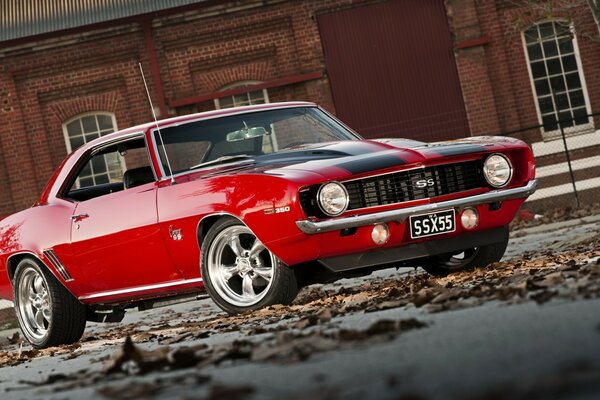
(333, 198)
(497, 170)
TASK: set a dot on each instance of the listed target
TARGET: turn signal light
(380, 234)
(469, 218)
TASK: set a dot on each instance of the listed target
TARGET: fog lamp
(469, 218)
(380, 234)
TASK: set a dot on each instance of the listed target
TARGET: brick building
(424, 69)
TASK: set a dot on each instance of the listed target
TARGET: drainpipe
(147, 25)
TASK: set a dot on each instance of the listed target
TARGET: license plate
(430, 224)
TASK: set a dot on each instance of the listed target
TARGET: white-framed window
(557, 78)
(243, 99)
(85, 128)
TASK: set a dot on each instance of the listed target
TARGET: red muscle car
(249, 205)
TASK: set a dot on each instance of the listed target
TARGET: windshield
(244, 137)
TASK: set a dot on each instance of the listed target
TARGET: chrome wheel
(34, 303)
(239, 266)
(49, 315)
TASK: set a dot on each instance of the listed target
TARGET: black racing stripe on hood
(350, 147)
(372, 163)
(456, 149)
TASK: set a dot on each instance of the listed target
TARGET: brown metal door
(392, 70)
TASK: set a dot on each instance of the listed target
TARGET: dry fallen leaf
(131, 391)
(14, 338)
(219, 392)
(176, 339)
(135, 361)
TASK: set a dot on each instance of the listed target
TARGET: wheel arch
(218, 230)
(13, 261)
(268, 239)
(208, 221)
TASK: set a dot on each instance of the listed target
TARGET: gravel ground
(524, 328)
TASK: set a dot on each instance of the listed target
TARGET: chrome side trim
(138, 289)
(57, 264)
(312, 227)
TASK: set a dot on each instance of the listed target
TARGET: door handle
(79, 217)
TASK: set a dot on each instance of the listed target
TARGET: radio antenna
(157, 127)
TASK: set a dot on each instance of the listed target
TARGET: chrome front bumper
(399, 215)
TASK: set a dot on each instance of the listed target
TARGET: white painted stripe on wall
(564, 189)
(573, 142)
(560, 168)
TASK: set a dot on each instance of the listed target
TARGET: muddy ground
(525, 328)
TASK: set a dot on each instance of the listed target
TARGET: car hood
(340, 160)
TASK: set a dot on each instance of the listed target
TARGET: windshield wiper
(222, 160)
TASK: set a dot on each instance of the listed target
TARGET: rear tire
(443, 265)
(48, 313)
(240, 273)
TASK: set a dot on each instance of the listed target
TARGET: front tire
(468, 259)
(48, 313)
(240, 273)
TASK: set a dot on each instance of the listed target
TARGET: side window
(557, 78)
(101, 169)
(134, 170)
(88, 127)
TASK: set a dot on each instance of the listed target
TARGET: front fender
(271, 213)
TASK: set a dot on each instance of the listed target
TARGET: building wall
(46, 81)
(498, 92)
(52, 86)
(472, 62)
(493, 67)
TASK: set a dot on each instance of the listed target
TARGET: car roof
(188, 118)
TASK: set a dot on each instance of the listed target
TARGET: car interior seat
(137, 176)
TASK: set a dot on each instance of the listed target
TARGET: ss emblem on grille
(423, 183)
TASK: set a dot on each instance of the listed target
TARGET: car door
(115, 237)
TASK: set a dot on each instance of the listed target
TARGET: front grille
(415, 184)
